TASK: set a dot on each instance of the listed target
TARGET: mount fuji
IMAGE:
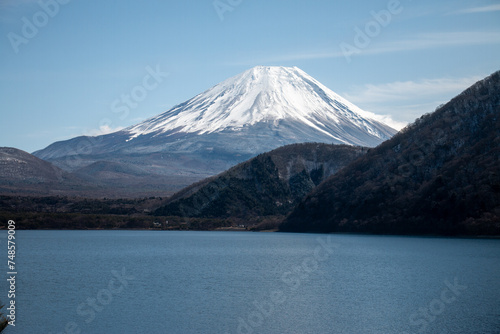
(287, 102)
(256, 111)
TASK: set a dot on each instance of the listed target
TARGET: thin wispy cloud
(398, 98)
(437, 40)
(387, 119)
(404, 90)
(473, 10)
(102, 130)
(418, 42)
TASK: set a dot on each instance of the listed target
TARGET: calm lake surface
(236, 282)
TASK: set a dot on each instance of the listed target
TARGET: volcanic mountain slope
(23, 173)
(251, 113)
(440, 175)
(285, 104)
(269, 184)
(19, 165)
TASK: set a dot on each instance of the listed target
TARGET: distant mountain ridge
(440, 175)
(19, 165)
(254, 112)
(23, 173)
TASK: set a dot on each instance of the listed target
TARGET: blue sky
(67, 66)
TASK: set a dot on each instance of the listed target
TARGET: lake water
(237, 282)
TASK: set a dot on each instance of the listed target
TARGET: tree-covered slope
(440, 175)
(269, 184)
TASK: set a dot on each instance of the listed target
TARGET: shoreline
(240, 229)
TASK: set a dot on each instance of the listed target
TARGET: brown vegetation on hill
(440, 175)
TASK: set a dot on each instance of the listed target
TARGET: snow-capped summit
(273, 96)
(251, 113)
